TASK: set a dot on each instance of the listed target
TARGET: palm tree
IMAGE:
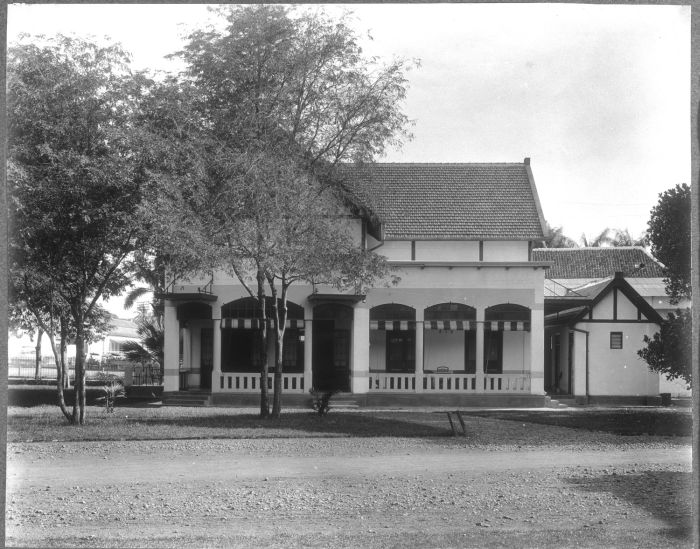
(601, 240)
(624, 238)
(557, 239)
(150, 346)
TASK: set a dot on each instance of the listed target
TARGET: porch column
(171, 350)
(216, 351)
(420, 332)
(308, 347)
(359, 365)
(537, 349)
(480, 315)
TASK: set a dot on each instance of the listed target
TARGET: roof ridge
(437, 164)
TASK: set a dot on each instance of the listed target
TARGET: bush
(321, 402)
(113, 388)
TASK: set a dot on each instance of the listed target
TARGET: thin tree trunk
(59, 357)
(79, 383)
(280, 317)
(37, 353)
(264, 393)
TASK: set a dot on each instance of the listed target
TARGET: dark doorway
(401, 351)
(206, 358)
(332, 329)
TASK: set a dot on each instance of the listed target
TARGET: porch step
(557, 404)
(344, 401)
(188, 398)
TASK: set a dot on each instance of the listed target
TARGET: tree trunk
(264, 394)
(60, 358)
(37, 353)
(79, 384)
(280, 317)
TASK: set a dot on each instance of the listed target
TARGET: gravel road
(348, 492)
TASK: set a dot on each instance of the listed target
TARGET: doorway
(332, 331)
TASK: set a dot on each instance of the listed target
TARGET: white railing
(250, 383)
(382, 382)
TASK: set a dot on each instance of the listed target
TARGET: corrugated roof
(632, 261)
(449, 201)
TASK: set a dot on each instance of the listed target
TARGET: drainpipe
(587, 334)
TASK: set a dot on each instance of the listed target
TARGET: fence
(133, 373)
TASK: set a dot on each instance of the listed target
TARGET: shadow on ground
(666, 495)
(622, 421)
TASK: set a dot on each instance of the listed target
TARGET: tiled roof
(449, 201)
(598, 262)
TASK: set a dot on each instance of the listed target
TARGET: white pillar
(359, 363)
(537, 349)
(216, 351)
(480, 315)
(420, 332)
(308, 347)
(171, 359)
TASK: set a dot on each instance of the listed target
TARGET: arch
(450, 311)
(193, 310)
(247, 307)
(507, 311)
(392, 311)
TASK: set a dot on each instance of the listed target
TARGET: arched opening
(241, 337)
(450, 338)
(392, 338)
(506, 344)
(332, 332)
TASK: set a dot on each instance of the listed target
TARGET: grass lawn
(46, 423)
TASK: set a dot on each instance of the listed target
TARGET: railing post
(216, 351)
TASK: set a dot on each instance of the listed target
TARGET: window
(616, 340)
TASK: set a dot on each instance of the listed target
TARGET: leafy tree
(557, 239)
(271, 104)
(669, 351)
(149, 348)
(75, 192)
(669, 236)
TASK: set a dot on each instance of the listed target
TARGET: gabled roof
(590, 296)
(450, 201)
(632, 261)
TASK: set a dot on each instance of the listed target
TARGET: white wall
(447, 250)
(626, 310)
(396, 250)
(516, 351)
(504, 250)
(619, 372)
(443, 349)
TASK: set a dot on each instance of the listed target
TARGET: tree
(557, 239)
(600, 240)
(669, 236)
(275, 102)
(669, 351)
(624, 238)
(76, 189)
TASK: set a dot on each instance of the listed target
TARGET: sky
(598, 96)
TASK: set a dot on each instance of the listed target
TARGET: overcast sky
(597, 95)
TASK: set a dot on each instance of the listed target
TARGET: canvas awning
(256, 323)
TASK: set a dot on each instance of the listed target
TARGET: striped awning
(392, 324)
(255, 323)
(507, 326)
(466, 325)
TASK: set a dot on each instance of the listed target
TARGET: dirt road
(345, 493)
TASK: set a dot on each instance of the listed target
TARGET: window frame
(613, 343)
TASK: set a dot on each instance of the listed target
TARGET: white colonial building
(465, 324)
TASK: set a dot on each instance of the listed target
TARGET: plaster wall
(578, 368)
(505, 250)
(443, 348)
(626, 310)
(395, 250)
(447, 250)
(604, 309)
(619, 372)
(516, 352)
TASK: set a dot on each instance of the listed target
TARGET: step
(556, 404)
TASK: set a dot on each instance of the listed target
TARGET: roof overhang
(194, 296)
(337, 298)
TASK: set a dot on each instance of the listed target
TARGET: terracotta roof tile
(598, 262)
(449, 201)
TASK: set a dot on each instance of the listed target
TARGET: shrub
(321, 402)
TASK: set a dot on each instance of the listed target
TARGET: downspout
(587, 334)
